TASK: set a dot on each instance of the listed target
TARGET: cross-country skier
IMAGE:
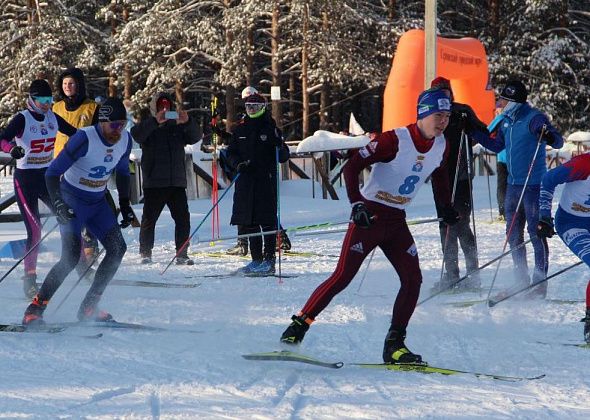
(86, 163)
(401, 159)
(80, 111)
(572, 218)
(518, 134)
(29, 138)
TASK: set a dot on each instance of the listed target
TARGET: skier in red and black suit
(402, 160)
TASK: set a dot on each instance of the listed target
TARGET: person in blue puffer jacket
(523, 132)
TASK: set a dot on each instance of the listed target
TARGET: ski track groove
(106, 395)
(155, 404)
(289, 383)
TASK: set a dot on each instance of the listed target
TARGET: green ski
(444, 371)
(290, 356)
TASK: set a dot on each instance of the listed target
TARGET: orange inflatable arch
(462, 61)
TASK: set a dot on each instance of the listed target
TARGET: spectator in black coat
(162, 134)
(463, 121)
(253, 151)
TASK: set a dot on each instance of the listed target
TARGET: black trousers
(459, 233)
(154, 201)
(270, 241)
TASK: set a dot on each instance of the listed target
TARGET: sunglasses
(255, 106)
(117, 125)
(45, 100)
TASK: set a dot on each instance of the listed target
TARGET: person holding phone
(30, 138)
(162, 133)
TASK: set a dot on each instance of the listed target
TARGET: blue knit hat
(431, 101)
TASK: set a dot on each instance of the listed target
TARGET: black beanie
(40, 87)
(112, 109)
(514, 91)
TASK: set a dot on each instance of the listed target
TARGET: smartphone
(171, 115)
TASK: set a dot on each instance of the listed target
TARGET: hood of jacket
(155, 99)
(75, 101)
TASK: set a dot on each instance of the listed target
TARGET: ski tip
(491, 303)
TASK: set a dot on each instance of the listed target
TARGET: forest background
(330, 57)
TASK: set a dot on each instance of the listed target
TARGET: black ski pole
(185, 244)
(28, 252)
(79, 280)
(450, 286)
(492, 303)
(526, 181)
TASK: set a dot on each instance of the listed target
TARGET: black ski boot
(586, 322)
(34, 312)
(284, 241)
(240, 249)
(30, 285)
(395, 351)
(184, 260)
(296, 331)
(89, 311)
(146, 257)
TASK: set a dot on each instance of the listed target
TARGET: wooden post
(429, 42)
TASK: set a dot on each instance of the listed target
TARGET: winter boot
(265, 268)
(30, 285)
(537, 292)
(89, 311)
(296, 331)
(184, 260)
(34, 312)
(395, 351)
(240, 249)
(445, 284)
(248, 268)
(586, 322)
(146, 258)
(471, 284)
(283, 239)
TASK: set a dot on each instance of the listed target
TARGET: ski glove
(63, 212)
(361, 216)
(548, 138)
(545, 227)
(243, 166)
(126, 213)
(450, 215)
(17, 152)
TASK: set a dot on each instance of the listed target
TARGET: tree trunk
(112, 76)
(277, 113)
(230, 108)
(127, 70)
(391, 10)
(250, 58)
(179, 93)
(304, 92)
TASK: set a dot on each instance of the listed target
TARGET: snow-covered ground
(187, 375)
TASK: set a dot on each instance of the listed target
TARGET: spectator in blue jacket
(523, 133)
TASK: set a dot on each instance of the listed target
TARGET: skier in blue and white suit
(572, 218)
(518, 132)
(78, 198)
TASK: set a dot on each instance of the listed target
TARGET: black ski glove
(17, 152)
(243, 167)
(126, 213)
(449, 215)
(361, 216)
(63, 212)
(548, 138)
(545, 227)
